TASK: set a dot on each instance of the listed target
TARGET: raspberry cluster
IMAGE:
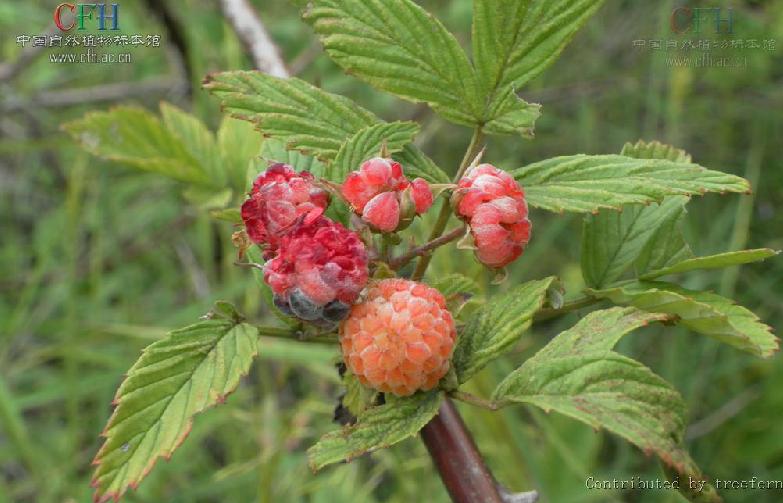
(318, 272)
(316, 267)
(380, 193)
(397, 336)
(400, 339)
(493, 204)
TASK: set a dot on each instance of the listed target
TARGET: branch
(96, 94)
(10, 70)
(254, 37)
(400, 261)
(456, 457)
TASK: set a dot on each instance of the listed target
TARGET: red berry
(494, 206)
(400, 339)
(384, 197)
(279, 200)
(315, 266)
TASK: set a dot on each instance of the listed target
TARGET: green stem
(292, 334)
(445, 212)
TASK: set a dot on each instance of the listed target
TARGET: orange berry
(400, 338)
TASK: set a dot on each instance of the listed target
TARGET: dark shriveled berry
(302, 307)
(282, 304)
(336, 311)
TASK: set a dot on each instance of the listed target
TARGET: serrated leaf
(134, 136)
(379, 427)
(513, 41)
(598, 331)
(666, 246)
(613, 241)
(585, 183)
(514, 116)
(274, 150)
(367, 143)
(197, 140)
(655, 150)
(607, 390)
(718, 261)
(175, 378)
(702, 312)
(496, 326)
(238, 142)
(417, 164)
(400, 48)
(304, 117)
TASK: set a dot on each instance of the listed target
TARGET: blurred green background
(98, 260)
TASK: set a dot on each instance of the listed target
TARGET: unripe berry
(280, 199)
(381, 194)
(493, 204)
(400, 339)
(318, 272)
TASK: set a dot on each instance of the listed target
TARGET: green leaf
(496, 326)
(357, 397)
(612, 241)
(456, 284)
(231, 215)
(514, 116)
(305, 118)
(175, 378)
(308, 119)
(367, 143)
(379, 427)
(577, 374)
(273, 150)
(197, 140)
(702, 312)
(606, 390)
(598, 331)
(133, 136)
(584, 183)
(239, 143)
(667, 244)
(417, 164)
(654, 150)
(400, 48)
(718, 261)
(513, 41)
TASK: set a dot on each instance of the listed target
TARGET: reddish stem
(457, 459)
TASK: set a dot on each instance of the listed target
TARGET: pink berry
(494, 206)
(317, 265)
(280, 200)
(381, 194)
